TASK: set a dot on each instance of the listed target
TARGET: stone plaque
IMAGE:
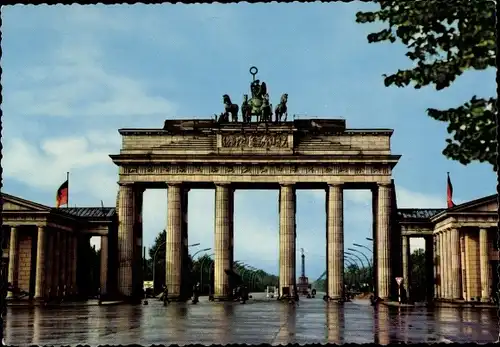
(255, 141)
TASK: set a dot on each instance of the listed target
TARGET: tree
(158, 248)
(444, 40)
(418, 276)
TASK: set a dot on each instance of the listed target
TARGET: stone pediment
(14, 203)
(486, 204)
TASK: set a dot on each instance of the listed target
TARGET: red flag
(449, 193)
(62, 195)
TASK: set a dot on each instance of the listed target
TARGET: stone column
(435, 265)
(406, 268)
(383, 241)
(13, 258)
(455, 264)
(56, 290)
(429, 267)
(69, 268)
(335, 241)
(463, 266)
(104, 265)
(449, 264)
(49, 259)
(484, 264)
(173, 256)
(40, 263)
(438, 256)
(224, 195)
(74, 261)
(62, 261)
(287, 238)
(374, 191)
(126, 216)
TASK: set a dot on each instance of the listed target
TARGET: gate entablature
(309, 151)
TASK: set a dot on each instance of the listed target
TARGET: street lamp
(358, 245)
(201, 250)
(154, 258)
(356, 256)
(355, 250)
(369, 239)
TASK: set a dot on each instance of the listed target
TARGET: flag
(449, 193)
(62, 195)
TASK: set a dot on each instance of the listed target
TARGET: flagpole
(67, 178)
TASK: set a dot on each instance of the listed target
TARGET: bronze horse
(281, 109)
(230, 108)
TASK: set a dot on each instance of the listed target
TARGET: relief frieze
(255, 141)
(255, 169)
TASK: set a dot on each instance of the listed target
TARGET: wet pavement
(258, 321)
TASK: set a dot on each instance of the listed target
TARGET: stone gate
(223, 155)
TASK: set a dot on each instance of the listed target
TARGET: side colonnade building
(461, 245)
(45, 249)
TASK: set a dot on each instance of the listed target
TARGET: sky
(73, 75)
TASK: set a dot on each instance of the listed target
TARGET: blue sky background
(73, 75)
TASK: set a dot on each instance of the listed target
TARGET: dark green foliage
(418, 275)
(444, 39)
(257, 279)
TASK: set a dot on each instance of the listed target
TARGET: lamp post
(154, 258)
(201, 250)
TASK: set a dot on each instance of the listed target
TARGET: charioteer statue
(258, 107)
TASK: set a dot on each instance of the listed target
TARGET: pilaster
(383, 241)
(224, 196)
(335, 241)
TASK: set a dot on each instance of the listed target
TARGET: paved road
(258, 321)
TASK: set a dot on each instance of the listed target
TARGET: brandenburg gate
(257, 152)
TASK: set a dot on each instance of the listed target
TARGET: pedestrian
(165, 296)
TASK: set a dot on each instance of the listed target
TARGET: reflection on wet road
(258, 321)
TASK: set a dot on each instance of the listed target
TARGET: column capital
(335, 184)
(287, 185)
(125, 184)
(383, 185)
(222, 184)
(174, 184)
